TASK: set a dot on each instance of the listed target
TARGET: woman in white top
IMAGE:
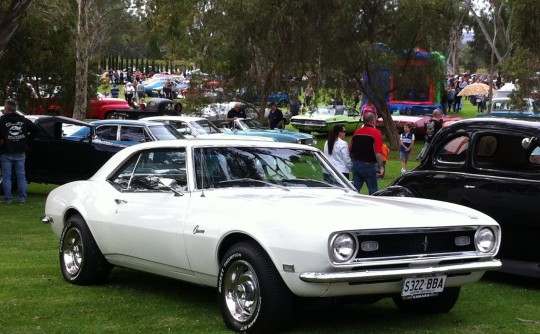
(337, 150)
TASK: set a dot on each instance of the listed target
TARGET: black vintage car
(157, 106)
(55, 157)
(491, 165)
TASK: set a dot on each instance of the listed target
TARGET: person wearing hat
(275, 117)
(15, 131)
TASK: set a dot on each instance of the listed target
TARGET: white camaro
(264, 222)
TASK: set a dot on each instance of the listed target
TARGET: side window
(534, 158)
(107, 132)
(181, 127)
(148, 170)
(132, 133)
(455, 151)
(502, 152)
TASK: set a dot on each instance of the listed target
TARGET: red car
(418, 122)
(105, 107)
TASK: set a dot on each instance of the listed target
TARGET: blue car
(250, 127)
(125, 132)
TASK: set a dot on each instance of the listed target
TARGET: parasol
(476, 88)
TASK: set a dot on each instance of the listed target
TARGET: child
(405, 146)
(385, 151)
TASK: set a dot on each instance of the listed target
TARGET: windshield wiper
(315, 181)
(247, 180)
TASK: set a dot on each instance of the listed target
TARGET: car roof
(221, 142)
(123, 122)
(493, 122)
(174, 118)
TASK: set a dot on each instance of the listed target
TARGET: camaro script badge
(196, 230)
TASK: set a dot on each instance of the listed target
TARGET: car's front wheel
(81, 261)
(252, 295)
(442, 303)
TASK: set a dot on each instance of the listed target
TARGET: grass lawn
(34, 298)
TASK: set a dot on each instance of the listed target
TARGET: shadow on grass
(313, 316)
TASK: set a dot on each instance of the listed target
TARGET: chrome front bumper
(371, 275)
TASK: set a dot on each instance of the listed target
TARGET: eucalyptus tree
(259, 45)
(403, 26)
(511, 28)
(97, 21)
(31, 59)
(10, 18)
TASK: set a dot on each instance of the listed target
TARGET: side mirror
(527, 143)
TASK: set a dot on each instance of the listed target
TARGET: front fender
(395, 191)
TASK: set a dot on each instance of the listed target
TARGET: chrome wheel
(242, 291)
(73, 251)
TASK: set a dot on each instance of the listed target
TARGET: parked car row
(66, 150)
(322, 119)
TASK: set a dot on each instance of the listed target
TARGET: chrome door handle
(120, 201)
(469, 187)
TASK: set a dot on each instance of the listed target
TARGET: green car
(322, 119)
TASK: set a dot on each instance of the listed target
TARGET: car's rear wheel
(442, 303)
(81, 261)
(252, 295)
(110, 115)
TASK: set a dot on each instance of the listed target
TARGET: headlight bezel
(480, 236)
(342, 238)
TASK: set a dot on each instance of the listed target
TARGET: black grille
(422, 243)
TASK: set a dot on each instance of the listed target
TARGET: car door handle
(120, 201)
(469, 187)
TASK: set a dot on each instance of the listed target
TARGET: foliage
(44, 36)
(10, 18)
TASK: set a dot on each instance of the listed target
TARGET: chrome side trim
(370, 275)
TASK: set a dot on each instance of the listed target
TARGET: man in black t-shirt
(236, 112)
(275, 117)
(15, 132)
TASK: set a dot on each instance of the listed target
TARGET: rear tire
(252, 295)
(81, 261)
(441, 303)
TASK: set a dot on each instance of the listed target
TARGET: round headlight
(343, 247)
(485, 240)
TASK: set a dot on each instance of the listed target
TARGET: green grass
(34, 298)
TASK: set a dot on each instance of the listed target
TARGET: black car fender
(395, 191)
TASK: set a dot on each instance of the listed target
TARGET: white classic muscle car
(172, 208)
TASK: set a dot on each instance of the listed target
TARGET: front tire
(81, 261)
(252, 295)
(441, 303)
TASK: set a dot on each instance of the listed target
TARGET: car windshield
(327, 110)
(164, 132)
(506, 105)
(205, 127)
(250, 123)
(220, 167)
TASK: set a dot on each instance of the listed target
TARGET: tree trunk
(389, 127)
(81, 65)
(11, 20)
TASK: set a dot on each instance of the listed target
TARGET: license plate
(423, 286)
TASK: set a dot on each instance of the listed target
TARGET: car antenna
(202, 175)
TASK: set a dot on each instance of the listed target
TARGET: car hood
(318, 117)
(333, 210)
